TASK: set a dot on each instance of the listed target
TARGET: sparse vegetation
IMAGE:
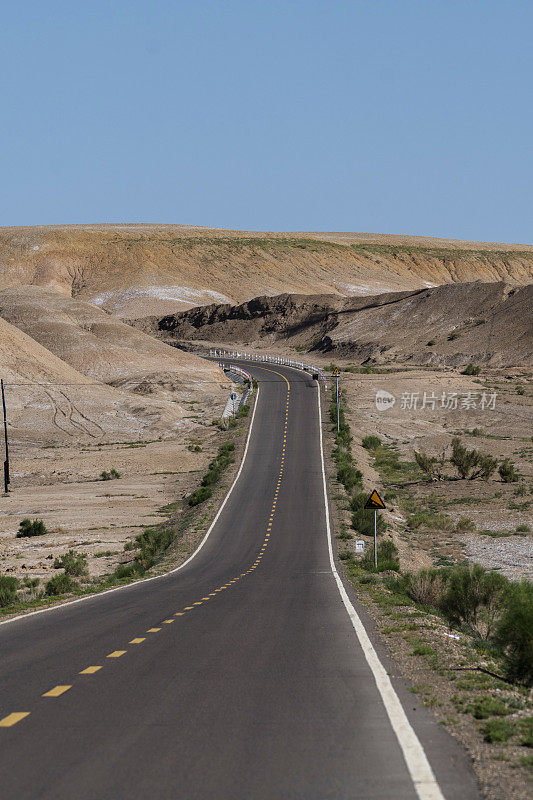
(30, 527)
(113, 474)
(473, 599)
(485, 707)
(151, 543)
(497, 730)
(470, 369)
(471, 463)
(74, 564)
(8, 590)
(59, 584)
(371, 442)
(200, 495)
(387, 558)
(507, 471)
(513, 633)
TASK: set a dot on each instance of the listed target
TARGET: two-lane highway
(244, 674)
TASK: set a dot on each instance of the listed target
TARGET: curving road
(245, 674)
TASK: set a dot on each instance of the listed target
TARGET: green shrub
(387, 558)
(507, 471)
(127, 571)
(470, 369)
(497, 731)
(194, 448)
(211, 476)
(30, 583)
(73, 563)
(200, 495)
(243, 412)
(485, 707)
(349, 477)
(523, 528)
(8, 590)
(453, 336)
(485, 466)
(473, 599)
(371, 442)
(431, 343)
(471, 463)
(426, 586)
(422, 649)
(428, 519)
(109, 476)
(464, 460)
(30, 527)
(151, 543)
(227, 447)
(59, 584)
(514, 632)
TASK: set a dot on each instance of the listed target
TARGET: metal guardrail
(261, 357)
(246, 375)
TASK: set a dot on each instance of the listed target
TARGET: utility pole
(6, 462)
(338, 400)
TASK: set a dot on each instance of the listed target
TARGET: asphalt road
(239, 676)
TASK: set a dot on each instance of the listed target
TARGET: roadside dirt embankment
(453, 324)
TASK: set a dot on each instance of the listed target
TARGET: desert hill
(102, 348)
(446, 325)
(49, 402)
(138, 270)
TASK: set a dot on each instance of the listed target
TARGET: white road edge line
(424, 780)
(155, 577)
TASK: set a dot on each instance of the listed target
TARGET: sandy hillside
(51, 404)
(102, 348)
(450, 324)
(137, 270)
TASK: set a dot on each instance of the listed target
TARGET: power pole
(338, 400)
(6, 462)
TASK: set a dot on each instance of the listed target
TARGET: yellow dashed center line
(57, 690)
(12, 719)
(16, 716)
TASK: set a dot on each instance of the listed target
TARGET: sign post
(6, 462)
(373, 503)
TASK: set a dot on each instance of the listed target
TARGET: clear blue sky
(391, 116)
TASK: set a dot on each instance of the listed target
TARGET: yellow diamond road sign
(374, 501)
